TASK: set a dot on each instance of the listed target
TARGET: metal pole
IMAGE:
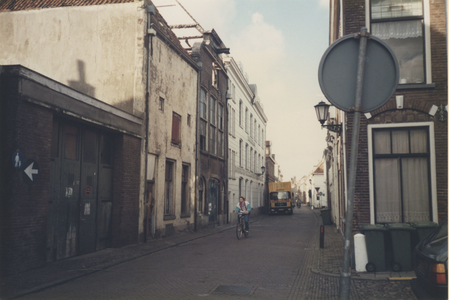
(345, 276)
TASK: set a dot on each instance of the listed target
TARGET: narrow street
(273, 263)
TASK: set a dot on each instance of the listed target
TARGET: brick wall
(126, 184)
(27, 128)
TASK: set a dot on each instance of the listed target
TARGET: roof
(17, 5)
(320, 168)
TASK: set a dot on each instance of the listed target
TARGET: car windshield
(279, 195)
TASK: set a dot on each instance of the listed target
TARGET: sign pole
(345, 276)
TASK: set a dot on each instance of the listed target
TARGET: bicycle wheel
(239, 231)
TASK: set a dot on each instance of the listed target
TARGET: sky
(280, 44)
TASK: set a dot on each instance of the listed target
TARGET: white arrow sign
(30, 171)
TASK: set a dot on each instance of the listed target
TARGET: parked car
(430, 265)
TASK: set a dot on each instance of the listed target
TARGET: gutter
(147, 202)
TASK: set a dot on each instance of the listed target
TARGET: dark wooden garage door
(81, 191)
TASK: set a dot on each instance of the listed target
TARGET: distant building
(247, 127)
(319, 190)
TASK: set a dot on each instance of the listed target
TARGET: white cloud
(324, 3)
(260, 46)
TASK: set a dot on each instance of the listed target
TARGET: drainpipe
(150, 33)
(197, 148)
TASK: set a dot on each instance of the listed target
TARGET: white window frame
(433, 174)
(427, 45)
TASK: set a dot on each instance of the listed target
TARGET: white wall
(97, 50)
(167, 68)
(252, 184)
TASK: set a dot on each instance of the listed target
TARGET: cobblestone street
(281, 259)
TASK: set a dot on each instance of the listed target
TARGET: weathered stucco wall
(96, 50)
(175, 81)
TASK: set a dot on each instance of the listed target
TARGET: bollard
(321, 236)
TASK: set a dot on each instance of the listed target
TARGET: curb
(164, 243)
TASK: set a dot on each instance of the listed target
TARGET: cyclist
(244, 207)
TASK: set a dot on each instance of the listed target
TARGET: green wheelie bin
(423, 229)
(375, 247)
(401, 241)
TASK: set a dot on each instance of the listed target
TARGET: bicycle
(240, 229)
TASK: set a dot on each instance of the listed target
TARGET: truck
(280, 197)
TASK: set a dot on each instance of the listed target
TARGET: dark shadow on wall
(81, 85)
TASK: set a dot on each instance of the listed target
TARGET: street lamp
(262, 169)
(322, 109)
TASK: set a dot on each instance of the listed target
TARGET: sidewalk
(329, 260)
(65, 270)
(326, 262)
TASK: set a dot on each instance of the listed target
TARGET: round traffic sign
(337, 73)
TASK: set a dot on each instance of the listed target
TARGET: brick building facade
(414, 120)
(48, 209)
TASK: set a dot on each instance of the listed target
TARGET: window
(215, 69)
(176, 129)
(203, 134)
(230, 163)
(256, 170)
(241, 113)
(90, 151)
(161, 104)
(240, 187)
(220, 144)
(401, 174)
(241, 154)
(212, 105)
(251, 126)
(220, 116)
(246, 156)
(251, 159)
(400, 24)
(71, 142)
(220, 130)
(169, 199)
(233, 164)
(203, 105)
(212, 140)
(233, 122)
(185, 191)
(229, 119)
(246, 120)
(189, 120)
(106, 148)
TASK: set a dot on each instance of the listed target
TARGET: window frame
(220, 131)
(432, 162)
(176, 136)
(212, 139)
(203, 104)
(169, 211)
(185, 191)
(427, 55)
